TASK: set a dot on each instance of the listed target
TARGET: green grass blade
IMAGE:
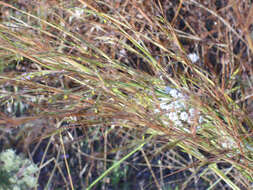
(118, 163)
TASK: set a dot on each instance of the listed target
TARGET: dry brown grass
(91, 82)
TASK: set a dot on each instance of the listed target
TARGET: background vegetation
(129, 94)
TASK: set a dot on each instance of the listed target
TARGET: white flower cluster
(16, 173)
(177, 111)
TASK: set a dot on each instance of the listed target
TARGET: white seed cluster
(176, 111)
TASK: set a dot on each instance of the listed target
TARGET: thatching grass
(86, 81)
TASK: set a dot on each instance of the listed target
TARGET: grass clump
(145, 85)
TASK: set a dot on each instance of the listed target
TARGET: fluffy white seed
(174, 93)
(193, 57)
(178, 123)
(184, 116)
(192, 111)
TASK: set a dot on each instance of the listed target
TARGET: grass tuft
(161, 90)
